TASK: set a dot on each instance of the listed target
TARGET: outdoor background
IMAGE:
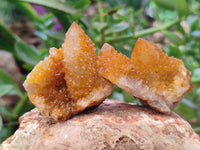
(27, 31)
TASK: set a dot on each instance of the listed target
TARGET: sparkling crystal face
(150, 75)
(67, 81)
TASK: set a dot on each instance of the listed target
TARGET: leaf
(5, 89)
(194, 80)
(196, 76)
(126, 52)
(117, 95)
(190, 63)
(49, 23)
(5, 112)
(28, 67)
(41, 35)
(77, 16)
(55, 34)
(1, 123)
(139, 12)
(182, 7)
(120, 17)
(127, 97)
(194, 24)
(197, 129)
(81, 4)
(117, 28)
(7, 39)
(189, 103)
(197, 73)
(174, 51)
(57, 5)
(115, 9)
(3, 134)
(5, 78)
(169, 4)
(64, 19)
(157, 15)
(181, 29)
(28, 10)
(174, 38)
(99, 26)
(27, 54)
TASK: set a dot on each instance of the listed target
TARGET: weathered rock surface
(113, 125)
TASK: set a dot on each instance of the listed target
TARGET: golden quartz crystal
(67, 81)
(150, 75)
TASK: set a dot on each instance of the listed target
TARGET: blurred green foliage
(117, 22)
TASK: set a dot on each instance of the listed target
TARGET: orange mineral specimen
(150, 75)
(67, 81)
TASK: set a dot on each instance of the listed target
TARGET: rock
(113, 125)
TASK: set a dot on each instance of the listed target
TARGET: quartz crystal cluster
(73, 78)
(67, 81)
(150, 75)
